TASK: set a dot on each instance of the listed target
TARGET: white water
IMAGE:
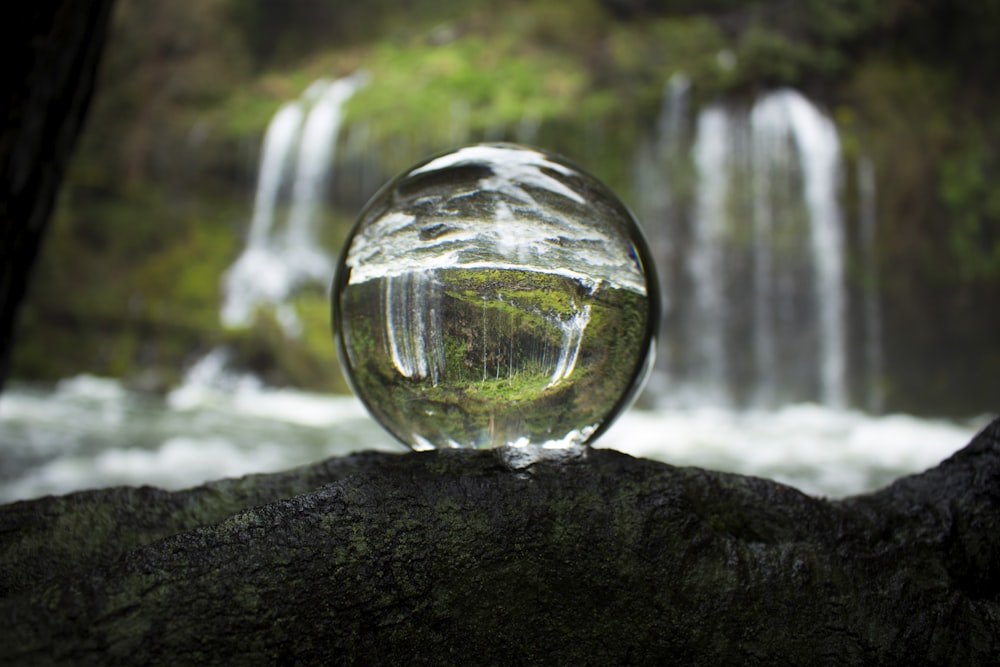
(282, 252)
(90, 432)
(819, 156)
(707, 326)
(572, 331)
(413, 325)
(770, 170)
(759, 317)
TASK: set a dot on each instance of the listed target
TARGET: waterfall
(708, 348)
(282, 252)
(572, 331)
(661, 164)
(414, 336)
(819, 154)
(787, 130)
(758, 314)
(768, 149)
(279, 140)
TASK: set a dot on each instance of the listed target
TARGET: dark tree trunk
(450, 558)
(51, 52)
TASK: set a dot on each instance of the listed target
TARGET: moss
(967, 177)
(306, 358)
(644, 56)
(144, 291)
(448, 98)
(499, 387)
(155, 207)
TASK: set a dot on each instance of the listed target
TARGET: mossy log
(451, 558)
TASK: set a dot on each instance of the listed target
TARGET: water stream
(759, 316)
(89, 432)
(754, 361)
(282, 251)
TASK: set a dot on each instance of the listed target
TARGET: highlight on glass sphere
(495, 296)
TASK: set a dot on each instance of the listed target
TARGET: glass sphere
(495, 296)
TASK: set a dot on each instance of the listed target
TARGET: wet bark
(450, 558)
(51, 52)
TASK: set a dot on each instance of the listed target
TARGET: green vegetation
(157, 202)
(970, 194)
(503, 339)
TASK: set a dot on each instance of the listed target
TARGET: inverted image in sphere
(495, 296)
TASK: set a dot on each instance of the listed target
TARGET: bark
(449, 557)
(51, 52)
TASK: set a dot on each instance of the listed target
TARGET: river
(88, 432)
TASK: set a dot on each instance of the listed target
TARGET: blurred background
(815, 179)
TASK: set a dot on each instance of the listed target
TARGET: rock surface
(450, 558)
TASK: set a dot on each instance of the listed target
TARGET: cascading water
(787, 130)
(819, 155)
(707, 324)
(765, 277)
(758, 317)
(767, 150)
(281, 251)
(757, 305)
(572, 336)
(413, 336)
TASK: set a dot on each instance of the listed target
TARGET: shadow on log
(449, 558)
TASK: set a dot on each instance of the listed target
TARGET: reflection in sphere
(495, 296)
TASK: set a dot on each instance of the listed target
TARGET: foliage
(968, 180)
(155, 295)
(499, 336)
(169, 63)
(439, 86)
(156, 203)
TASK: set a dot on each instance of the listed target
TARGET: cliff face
(451, 558)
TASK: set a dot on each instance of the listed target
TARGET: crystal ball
(495, 296)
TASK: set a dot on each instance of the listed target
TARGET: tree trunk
(51, 52)
(448, 557)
